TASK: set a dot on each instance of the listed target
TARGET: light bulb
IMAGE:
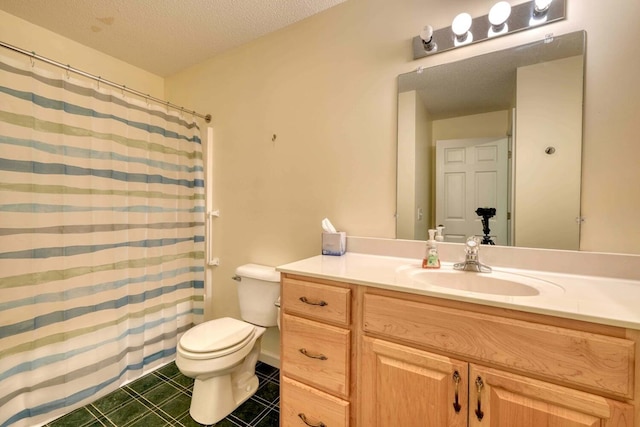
(461, 25)
(498, 16)
(499, 13)
(541, 6)
(427, 39)
(427, 33)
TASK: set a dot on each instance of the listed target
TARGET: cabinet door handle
(320, 303)
(456, 401)
(313, 356)
(479, 387)
(304, 419)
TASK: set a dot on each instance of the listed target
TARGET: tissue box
(334, 243)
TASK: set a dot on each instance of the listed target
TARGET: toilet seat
(216, 338)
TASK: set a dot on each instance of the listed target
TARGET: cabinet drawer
(316, 301)
(299, 402)
(316, 354)
(574, 357)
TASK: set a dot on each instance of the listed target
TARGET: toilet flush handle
(237, 278)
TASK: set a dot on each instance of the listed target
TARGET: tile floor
(162, 398)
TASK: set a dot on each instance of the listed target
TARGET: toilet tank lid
(259, 272)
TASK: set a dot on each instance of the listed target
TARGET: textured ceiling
(163, 36)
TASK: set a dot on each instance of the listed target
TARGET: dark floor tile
(226, 423)
(127, 413)
(249, 411)
(271, 419)
(163, 400)
(168, 371)
(266, 370)
(187, 421)
(105, 422)
(145, 383)
(161, 393)
(177, 406)
(103, 419)
(112, 401)
(77, 418)
(269, 391)
(150, 420)
(185, 382)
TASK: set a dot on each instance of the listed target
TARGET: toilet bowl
(221, 354)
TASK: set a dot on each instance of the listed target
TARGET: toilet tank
(258, 291)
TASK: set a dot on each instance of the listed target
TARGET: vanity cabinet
(414, 388)
(430, 365)
(361, 356)
(316, 353)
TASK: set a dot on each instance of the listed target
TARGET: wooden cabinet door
(403, 386)
(500, 399)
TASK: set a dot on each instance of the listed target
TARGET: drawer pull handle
(313, 356)
(320, 303)
(304, 419)
(479, 387)
(456, 401)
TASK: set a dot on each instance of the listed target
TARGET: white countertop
(604, 300)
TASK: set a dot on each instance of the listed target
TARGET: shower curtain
(101, 239)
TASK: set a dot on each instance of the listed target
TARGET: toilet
(221, 354)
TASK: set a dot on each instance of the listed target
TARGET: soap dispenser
(431, 258)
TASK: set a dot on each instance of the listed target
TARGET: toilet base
(216, 397)
(206, 410)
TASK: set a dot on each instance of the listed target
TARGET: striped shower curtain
(101, 239)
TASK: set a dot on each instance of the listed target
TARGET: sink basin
(496, 282)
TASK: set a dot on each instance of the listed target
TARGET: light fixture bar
(522, 17)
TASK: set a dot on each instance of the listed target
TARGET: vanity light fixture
(502, 19)
(460, 26)
(498, 16)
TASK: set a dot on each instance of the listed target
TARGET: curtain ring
(31, 58)
(67, 71)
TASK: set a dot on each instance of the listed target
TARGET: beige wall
(22, 34)
(414, 168)
(327, 88)
(548, 114)
(424, 172)
(484, 125)
(406, 176)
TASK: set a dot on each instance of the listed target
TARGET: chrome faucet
(471, 262)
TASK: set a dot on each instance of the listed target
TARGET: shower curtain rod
(33, 55)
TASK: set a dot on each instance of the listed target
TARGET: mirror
(498, 131)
